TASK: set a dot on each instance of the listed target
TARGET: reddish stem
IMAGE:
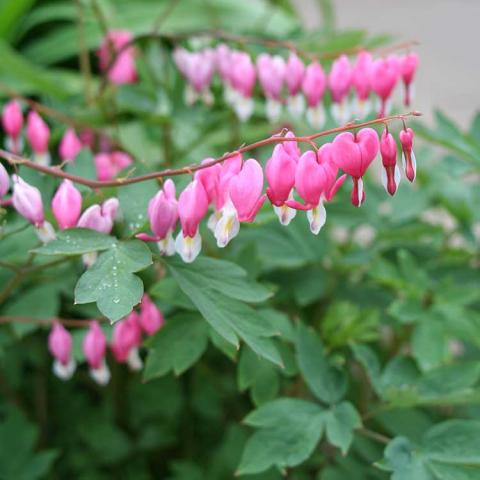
(170, 172)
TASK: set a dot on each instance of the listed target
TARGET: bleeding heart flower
(12, 120)
(38, 135)
(94, 349)
(280, 171)
(192, 207)
(4, 181)
(313, 85)
(384, 76)
(163, 215)
(60, 346)
(354, 154)
(150, 318)
(126, 339)
(294, 74)
(244, 200)
(362, 83)
(271, 73)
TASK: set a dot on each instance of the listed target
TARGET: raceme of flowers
(126, 339)
(234, 190)
(302, 88)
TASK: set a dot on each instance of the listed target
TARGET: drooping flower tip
(118, 58)
(67, 205)
(94, 349)
(27, 200)
(390, 172)
(408, 156)
(70, 146)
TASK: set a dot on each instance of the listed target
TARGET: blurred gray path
(449, 33)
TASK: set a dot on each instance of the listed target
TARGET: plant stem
(170, 172)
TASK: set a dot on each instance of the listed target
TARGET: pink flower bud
(123, 70)
(38, 133)
(408, 67)
(108, 165)
(223, 61)
(100, 218)
(27, 200)
(340, 78)
(384, 76)
(4, 181)
(295, 71)
(354, 154)
(12, 119)
(70, 146)
(243, 73)
(391, 172)
(67, 205)
(245, 191)
(95, 346)
(150, 318)
(60, 346)
(408, 157)
(314, 83)
(192, 207)
(126, 337)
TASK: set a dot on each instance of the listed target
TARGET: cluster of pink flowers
(126, 340)
(301, 87)
(234, 189)
(108, 162)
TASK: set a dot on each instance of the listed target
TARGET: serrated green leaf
(110, 281)
(77, 241)
(326, 381)
(176, 346)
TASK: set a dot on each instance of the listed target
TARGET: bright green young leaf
(77, 241)
(289, 430)
(111, 282)
(176, 346)
(326, 381)
(341, 421)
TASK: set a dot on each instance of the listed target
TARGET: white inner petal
(317, 217)
(166, 246)
(64, 372)
(228, 226)
(285, 214)
(187, 247)
(101, 375)
(273, 109)
(316, 116)
(296, 105)
(133, 360)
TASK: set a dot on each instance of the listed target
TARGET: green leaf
(77, 241)
(111, 282)
(341, 421)
(10, 13)
(326, 381)
(289, 432)
(176, 346)
(168, 291)
(258, 375)
(230, 318)
(134, 204)
(18, 460)
(430, 344)
(83, 166)
(225, 277)
(448, 451)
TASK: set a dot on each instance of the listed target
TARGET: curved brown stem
(170, 172)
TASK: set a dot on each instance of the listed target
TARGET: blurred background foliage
(391, 289)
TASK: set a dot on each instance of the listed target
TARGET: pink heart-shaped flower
(354, 153)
